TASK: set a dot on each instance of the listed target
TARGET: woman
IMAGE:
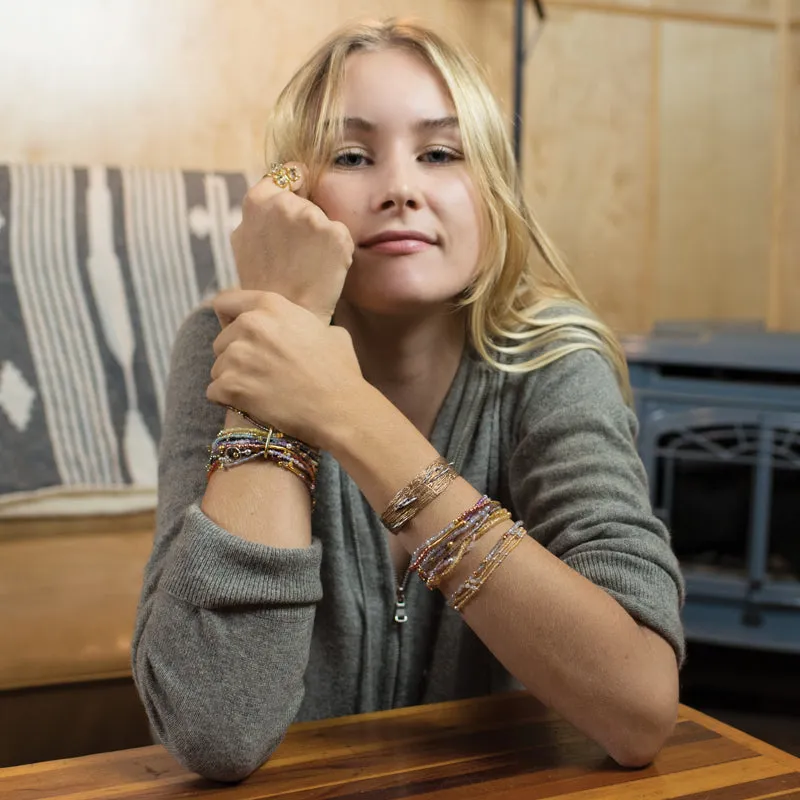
(455, 393)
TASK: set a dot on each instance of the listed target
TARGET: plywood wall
(659, 134)
(184, 82)
(587, 159)
(789, 276)
(662, 144)
(716, 120)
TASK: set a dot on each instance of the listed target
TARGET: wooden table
(504, 747)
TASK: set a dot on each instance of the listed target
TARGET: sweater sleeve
(578, 482)
(223, 627)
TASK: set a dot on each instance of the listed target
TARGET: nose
(399, 185)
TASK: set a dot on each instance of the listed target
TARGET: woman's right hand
(287, 245)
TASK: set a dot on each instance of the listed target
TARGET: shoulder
(577, 388)
(564, 369)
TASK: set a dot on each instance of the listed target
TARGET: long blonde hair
(524, 309)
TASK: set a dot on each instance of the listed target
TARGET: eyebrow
(439, 123)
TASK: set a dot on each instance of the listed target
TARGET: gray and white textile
(98, 268)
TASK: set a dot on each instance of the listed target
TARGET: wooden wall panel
(789, 315)
(587, 155)
(715, 172)
(747, 12)
(184, 83)
(148, 83)
(68, 603)
(188, 83)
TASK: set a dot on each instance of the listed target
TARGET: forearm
(259, 501)
(566, 639)
(222, 715)
(221, 645)
(575, 648)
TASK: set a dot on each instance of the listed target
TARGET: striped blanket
(98, 268)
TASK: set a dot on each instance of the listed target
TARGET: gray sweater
(236, 640)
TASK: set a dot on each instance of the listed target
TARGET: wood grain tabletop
(503, 747)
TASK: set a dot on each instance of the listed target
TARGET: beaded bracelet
(418, 493)
(440, 555)
(479, 511)
(235, 446)
(473, 584)
(437, 557)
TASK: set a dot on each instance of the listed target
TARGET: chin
(396, 304)
(398, 295)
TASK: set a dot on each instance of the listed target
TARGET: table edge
(736, 735)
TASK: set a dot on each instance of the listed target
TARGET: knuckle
(309, 213)
(268, 302)
(235, 351)
(219, 349)
(345, 238)
(227, 388)
(280, 199)
(286, 202)
(264, 302)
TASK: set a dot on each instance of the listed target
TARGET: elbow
(223, 759)
(638, 741)
(636, 754)
(218, 752)
(647, 714)
(223, 770)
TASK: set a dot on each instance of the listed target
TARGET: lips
(398, 236)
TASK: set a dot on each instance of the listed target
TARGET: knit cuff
(211, 568)
(644, 589)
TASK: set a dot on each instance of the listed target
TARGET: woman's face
(400, 184)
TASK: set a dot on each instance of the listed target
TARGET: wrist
(235, 420)
(347, 416)
(377, 446)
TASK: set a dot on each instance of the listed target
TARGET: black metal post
(519, 74)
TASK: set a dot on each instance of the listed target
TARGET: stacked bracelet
(440, 555)
(235, 446)
(472, 585)
(437, 557)
(418, 493)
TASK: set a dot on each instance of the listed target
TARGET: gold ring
(283, 177)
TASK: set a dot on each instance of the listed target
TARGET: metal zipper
(400, 613)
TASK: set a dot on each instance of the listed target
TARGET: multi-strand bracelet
(417, 494)
(495, 557)
(235, 446)
(436, 558)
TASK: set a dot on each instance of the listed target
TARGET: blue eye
(441, 155)
(350, 158)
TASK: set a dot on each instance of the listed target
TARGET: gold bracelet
(457, 549)
(418, 493)
(472, 585)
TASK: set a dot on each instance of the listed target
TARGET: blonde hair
(519, 317)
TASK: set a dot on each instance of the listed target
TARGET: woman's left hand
(282, 365)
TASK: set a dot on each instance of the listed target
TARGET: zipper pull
(400, 615)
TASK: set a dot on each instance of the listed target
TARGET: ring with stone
(282, 176)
